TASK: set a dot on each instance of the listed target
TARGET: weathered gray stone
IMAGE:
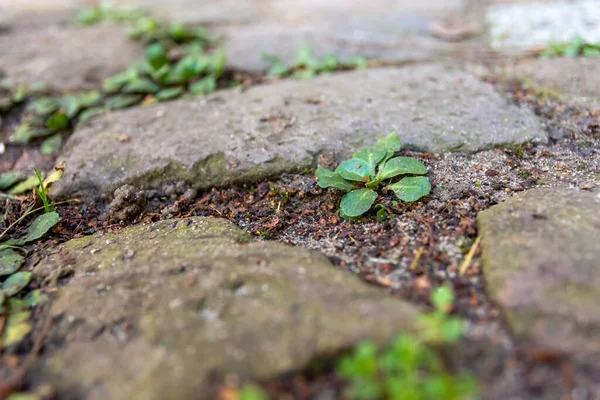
(529, 24)
(162, 310)
(200, 11)
(27, 14)
(541, 262)
(576, 79)
(233, 136)
(67, 58)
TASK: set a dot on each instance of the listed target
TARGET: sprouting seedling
(439, 326)
(42, 193)
(306, 65)
(410, 368)
(576, 47)
(362, 175)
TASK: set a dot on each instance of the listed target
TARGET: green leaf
(251, 392)
(354, 169)
(327, 178)
(10, 261)
(141, 85)
(25, 133)
(411, 188)
(402, 166)
(16, 328)
(52, 144)
(122, 101)
(372, 156)
(305, 57)
(38, 228)
(57, 122)
(357, 202)
(442, 298)
(216, 66)
(8, 179)
(452, 329)
(74, 103)
(156, 54)
(591, 52)
(203, 86)
(169, 93)
(116, 82)
(43, 106)
(186, 69)
(575, 47)
(382, 212)
(33, 299)
(26, 185)
(356, 62)
(328, 64)
(278, 67)
(89, 114)
(304, 74)
(16, 282)
(178, 33)
(391, 144)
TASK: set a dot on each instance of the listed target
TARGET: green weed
(576, 47)
(368, 168)
(409, 368)
(306, 65)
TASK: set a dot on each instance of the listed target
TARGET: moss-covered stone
(165, 310)
(541, 262)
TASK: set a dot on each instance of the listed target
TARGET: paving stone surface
(541, 262)
(67, 58)
(530, 24)
(233, 136)
(577, 80)
(150, 307)
(27, 14)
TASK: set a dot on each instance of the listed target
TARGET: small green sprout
(368, 168)
(409, 368)
(42, 192)
(576, 47)
(307, 66)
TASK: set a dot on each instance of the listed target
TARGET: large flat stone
(27, 14)
(164, 310)
(541, 261)
(577, 79)
(231, 136)
(67, 58)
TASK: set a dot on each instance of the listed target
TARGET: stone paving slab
(163, 311)
(576, 79)
(232, 136)
(541, 262)
(67, 58)
(25, 14)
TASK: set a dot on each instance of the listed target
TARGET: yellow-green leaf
(16, 328)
